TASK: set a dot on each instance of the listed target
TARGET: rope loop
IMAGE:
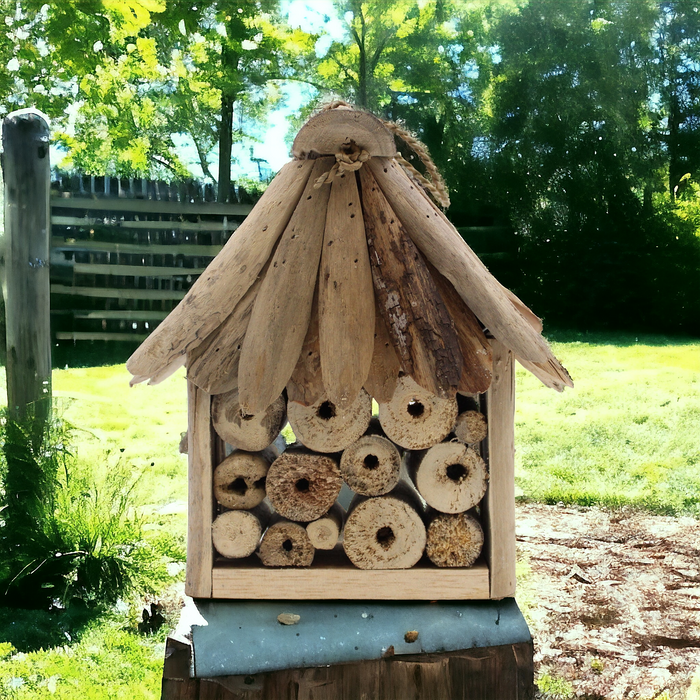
(348, 159)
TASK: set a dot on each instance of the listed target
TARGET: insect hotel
(348, 307)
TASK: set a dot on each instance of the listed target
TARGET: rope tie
(348, 159)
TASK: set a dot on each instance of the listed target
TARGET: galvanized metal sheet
(243, 637)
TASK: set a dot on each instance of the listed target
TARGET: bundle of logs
(415, 471)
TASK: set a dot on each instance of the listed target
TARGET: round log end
(286, 544)
(326, 427)
(239, 481)
(236, 534)
(454, 540)
(250, 432)
(371, 466)
(470, 427)
(323, 533)
(416, 418)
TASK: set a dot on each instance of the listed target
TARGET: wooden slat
(89, 222)
(80, 335)
(499, 503)
(134, 270)
(345, 582)
(126, 314)
(200, 506)
(108, 293)
(205, 251)
(150, 206)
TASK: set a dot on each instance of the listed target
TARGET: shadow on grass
(618, 339)
(86, 353)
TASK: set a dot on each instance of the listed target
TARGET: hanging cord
(350, 158)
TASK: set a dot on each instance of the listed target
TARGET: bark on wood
(239, 481)
(416, 418)
(303, 486)
(325, 427)
(227, 278)
(345, 295)
(451, 477)
(281, 313)
(385, 532)
(385, 366)
(236, 533)
(286, 544)
(444, 247)
(306, 383)
(475, 348)
(371, 466)
(213, 365)
(242, 430)
(454, 540)
(417, 319)
(470, 427)
(325, 532)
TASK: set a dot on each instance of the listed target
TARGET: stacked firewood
(415, 472)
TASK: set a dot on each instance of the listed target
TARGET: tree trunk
(225, 144)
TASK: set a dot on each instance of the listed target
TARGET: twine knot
(349, 158)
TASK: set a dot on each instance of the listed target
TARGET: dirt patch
(613, 600)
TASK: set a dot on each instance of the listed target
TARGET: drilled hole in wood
(287, 545)
(238, 486)
(415, 408)
(326, 410)
(247, 416)
(456, 472)
(371, 462)
(302, 485)
(385, 537)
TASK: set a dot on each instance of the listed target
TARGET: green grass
(627, 434)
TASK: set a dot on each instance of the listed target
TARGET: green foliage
(554, 688)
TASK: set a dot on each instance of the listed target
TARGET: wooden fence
(124, 252)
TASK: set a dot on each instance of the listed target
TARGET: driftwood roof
(344, 275)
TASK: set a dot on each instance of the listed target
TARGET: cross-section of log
(384, 533)
(454, 540)
(325, 531)
(451, 477)
(371, 466)
(303, 486)
(286, 544)
(385, 367)
(470, 427)
(326, 427)
(239, 481)
(415, 418)
(247, 432)
(236, 533)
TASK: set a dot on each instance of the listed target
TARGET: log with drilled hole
(286, 544)
(326, 427)
(416, 418)
(470, 427)
(454, 540)
(386, 532)
(239, 481)
(325, 532)
(236, 533)
(451, 477)
(302, 486)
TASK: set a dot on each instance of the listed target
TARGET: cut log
(385, 366)
(415, 418)
(239, 481)
(440, 242)
(236, 533)
(325, 532)
(371, 466)
(551, 373)
(213, 365)
(280, 317)
(345, 295)
(306, 383)
(451, 477)
(470, 427)
(475, 348)
(386, 532)
(416, 317)
(227, 278)
(244, 431)
(303, 486)
(325, 427)
(454, 540)
(286, 544)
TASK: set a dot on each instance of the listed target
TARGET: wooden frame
(332, 576)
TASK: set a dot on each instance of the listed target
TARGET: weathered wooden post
(25, 140)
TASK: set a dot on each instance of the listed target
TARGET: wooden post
(25, 139)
